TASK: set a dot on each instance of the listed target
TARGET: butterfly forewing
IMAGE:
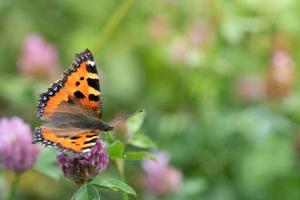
(83, 84)
(79, 84)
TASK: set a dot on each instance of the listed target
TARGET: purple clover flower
(161, 179)
(17, 153)
(85, 168)
(280, 76)
(38, 57)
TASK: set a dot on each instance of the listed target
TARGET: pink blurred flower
(250, 89)
(197, 34)
(161, 179)
(179, 50)
(38, 58)
(17, 153)
(281, 65)
(280, 75)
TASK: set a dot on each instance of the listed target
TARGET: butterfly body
(78, 117)
(72, 108)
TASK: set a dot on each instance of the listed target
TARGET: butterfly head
(105, 127)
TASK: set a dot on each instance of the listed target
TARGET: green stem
(121, 166)
(112, 23)
(125, 196)
(14, 186)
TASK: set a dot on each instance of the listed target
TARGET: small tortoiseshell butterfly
(72, 108)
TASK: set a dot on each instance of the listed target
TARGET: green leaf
(140, 155)
(17, 90)
(116, 149)
(87, 192)
(141, 141)
(192, 186)
(46, 163)
(113, 184)
(135, 121)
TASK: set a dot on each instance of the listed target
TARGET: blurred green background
(217, 79)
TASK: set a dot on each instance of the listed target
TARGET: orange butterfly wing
(82, 142)
(80, 83)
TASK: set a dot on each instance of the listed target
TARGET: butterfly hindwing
(81, 142)
(79, 84)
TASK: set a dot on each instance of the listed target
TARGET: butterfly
(72, 108)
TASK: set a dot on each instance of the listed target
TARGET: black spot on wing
(87, 147)
(93, 97)
(70, 101)
(63, 136)
(90, 136)
(77, 83)
(75, 137)
(79, 95)
(94, 83)
(92, 141)
(82, 78)
(91, 68)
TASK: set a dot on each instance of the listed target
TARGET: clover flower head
(280, 75)
(161, 179)
(38, 57)
(85, 168)
(17, 153)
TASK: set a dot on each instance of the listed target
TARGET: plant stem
(14, 186)
(121, 166)
(112, 23)
(125, 196)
